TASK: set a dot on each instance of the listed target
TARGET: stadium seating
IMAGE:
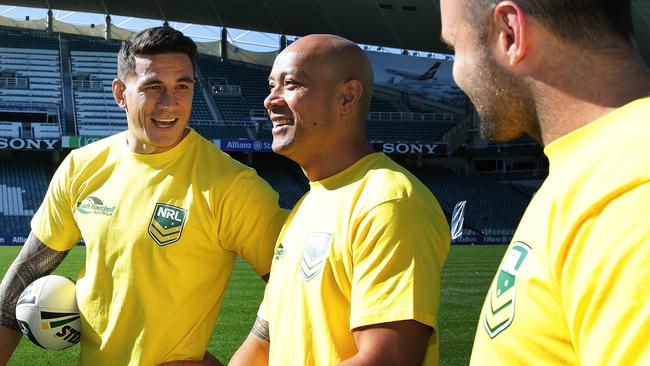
(216, 131)
(41, 68)
(252, 80)
(23, 185)
(286, 179)
(27, 38)
(492, 208)
(407, 131)
(96, 111)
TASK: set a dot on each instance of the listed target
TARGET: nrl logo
(167, 222)
(500, 304)
(314, 255)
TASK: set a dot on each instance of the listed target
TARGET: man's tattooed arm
(261, 329)
(34, 261)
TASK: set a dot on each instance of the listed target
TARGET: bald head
(344, 59)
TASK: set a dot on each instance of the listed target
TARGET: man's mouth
(164, 122)
(282, 122)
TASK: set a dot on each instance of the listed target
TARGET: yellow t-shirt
(162, 232)
(574, 285)
(362, 247)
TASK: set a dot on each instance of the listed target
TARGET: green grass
(465, 279)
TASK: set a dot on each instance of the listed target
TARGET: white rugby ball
(47, 313)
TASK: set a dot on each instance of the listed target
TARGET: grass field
(465, 279)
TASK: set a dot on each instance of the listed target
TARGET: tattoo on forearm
(34, 261)
(261, 329)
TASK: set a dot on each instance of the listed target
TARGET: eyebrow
(153, 81)
(297, 73)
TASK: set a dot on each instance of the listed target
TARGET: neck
(340, 157)
(569, 98)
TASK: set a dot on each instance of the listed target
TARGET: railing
(259, 115)
(410, 116)
(226, 90)
(29, 107)
(10, 129)
(87, 85)
(14, 83)
(46, 130)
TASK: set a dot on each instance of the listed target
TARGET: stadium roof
(405, 24)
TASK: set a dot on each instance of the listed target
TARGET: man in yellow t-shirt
(163, 213)
(355, 277)
(572, 288)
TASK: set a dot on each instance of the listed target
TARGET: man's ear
(119, 88)
(510, 30)
(351, 92)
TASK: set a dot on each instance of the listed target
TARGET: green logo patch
(95, 206)
(500, 304)
(167, 222)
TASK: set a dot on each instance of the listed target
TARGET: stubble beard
(504, 105)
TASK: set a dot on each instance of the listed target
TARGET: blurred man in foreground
(573, 287)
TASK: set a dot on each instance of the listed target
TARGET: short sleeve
(398, 252)
(263, 311)
(251, 220)
(605, 283)
(54, 223)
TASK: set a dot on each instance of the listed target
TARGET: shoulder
(386, 181)
(98, 150)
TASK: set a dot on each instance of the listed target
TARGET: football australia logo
(314, 255)
(500, 308)
(95, 206)
(167, 222)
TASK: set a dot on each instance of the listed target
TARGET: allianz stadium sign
(411, 148)
(16, 143)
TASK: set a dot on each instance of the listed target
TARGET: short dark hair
(586, 22)
(152, 41)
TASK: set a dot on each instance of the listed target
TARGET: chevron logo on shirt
(167, 222)
(499, 309)
(314, 255)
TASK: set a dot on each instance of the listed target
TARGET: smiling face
(502, 101)
(301, 104)
(157, 99)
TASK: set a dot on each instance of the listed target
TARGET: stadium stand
(93, 73)
(286, 178)
(492, 208)
(22, 186)
(407, 131)
(30, 79)
(27, 38)
(250, 80)
(222, 131)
